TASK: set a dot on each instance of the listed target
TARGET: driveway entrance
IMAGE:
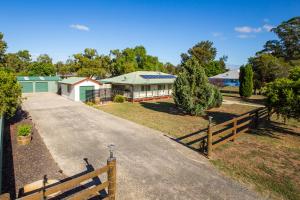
(149, 165)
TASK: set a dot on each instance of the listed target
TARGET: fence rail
(222, 133)
(57, 189)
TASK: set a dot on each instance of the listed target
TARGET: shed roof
(142, 77)
(38, 78)
(76, 80)
(232, 74)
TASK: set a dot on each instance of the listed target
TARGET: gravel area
(28, 163)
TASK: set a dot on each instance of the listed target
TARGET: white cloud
(80, 27)
(217, 34)
(266, 20)
(268, 27)
(245, 36)
(247, 29)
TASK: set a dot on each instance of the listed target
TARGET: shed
(78, 88)
(230, 78)
(32, 84)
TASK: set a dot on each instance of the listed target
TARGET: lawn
(164, 116)
(267, 159)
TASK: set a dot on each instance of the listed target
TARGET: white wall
(84, 83)
(65, 93)
(154, 92)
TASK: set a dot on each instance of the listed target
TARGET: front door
(86, 93)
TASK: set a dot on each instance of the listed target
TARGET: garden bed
(24, 164)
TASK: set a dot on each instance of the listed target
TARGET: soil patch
(25, 164)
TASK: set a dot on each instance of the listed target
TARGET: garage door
(41, 86)
(86, 93)
(27, 87)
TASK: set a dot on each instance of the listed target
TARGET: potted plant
(24, 134)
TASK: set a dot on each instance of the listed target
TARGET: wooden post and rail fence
(56, 189)
(227, 131)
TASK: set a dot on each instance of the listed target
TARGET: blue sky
(166, 28)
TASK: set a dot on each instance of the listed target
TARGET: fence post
(111, 174)
(209, 137)
(234, 129)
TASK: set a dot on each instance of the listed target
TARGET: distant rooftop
(38, 78)
(232, 74)
(141, 77)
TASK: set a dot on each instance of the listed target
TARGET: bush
(119, 99)
(24, 130)
(246, 81)
(90, 103)
(283, 97)
(10, 93)
(192, 91)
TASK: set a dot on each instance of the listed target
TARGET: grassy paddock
(267, 158)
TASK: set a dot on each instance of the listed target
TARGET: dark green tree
(3, 47)
(10, 93)
(288, 45)
(205, 53)
(246, 81)
(133, 59)
(192, 92)
(40, 69)
(90, 63)
(267, 68)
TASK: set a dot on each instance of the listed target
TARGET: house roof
(76, 80)
(141, 77)
(232, 74)
(38, 78)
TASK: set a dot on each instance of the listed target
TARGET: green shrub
(90, 103)
(24, 129)
(119, 98)
(246, 81)
(192, 91)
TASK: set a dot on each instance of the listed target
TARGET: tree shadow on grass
(163, 106)
(273, 129)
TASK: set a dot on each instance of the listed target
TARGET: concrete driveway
(149, 165)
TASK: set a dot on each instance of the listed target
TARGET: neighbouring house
(79, 88)
(30, 84)
(230, 78)
(142, 85)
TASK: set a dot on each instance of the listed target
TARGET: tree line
(118, 62)
(275, 71)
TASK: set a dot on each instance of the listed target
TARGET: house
(30, 84)
(142, 85)
(78, 88)
(230, 78)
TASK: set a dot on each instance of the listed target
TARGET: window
(142, 88)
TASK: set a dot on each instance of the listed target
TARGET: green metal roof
(72, 80)
(138, 78)
(38, 78)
